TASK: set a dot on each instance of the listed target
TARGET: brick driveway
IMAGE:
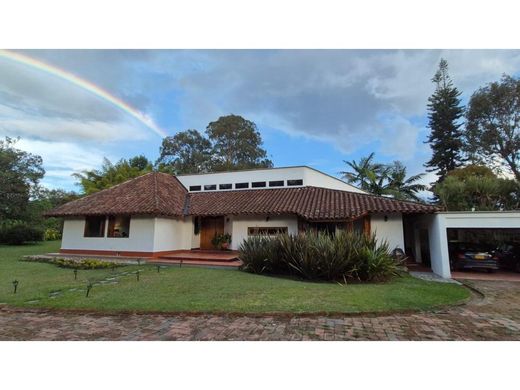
(494, 317)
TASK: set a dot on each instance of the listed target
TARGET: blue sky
(313, 107)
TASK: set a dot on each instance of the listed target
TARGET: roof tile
(163, 194)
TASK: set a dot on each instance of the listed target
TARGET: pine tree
(444, 116)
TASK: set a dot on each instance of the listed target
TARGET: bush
(75, 264)
(257, 253)
(320, 256)
(19, 234)
(51, 234)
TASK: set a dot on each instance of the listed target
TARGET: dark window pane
(195, 188)
(266, 231)
(210, 187)
(257, 184)
(298, 182)
(276, 183)
(225, 186)
(241, 185)
(118, 226)
(94, 227)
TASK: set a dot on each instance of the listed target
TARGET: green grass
(204, 290)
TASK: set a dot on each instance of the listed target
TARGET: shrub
(75, 264)
(257, 253)
(320, 256)
(19, 234)
(51, 234)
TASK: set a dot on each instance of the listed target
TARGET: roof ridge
(107, 189)
(374, 196)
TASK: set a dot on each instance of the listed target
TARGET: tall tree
(45, 200)
(111, 174)
(365, 174)
(477, 187)
(445, 112)
(493, 124)
(382, 179)
(237, 144)
(19, 179)
(185, 152)
(402, 187)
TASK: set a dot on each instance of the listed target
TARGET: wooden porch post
(366, 225)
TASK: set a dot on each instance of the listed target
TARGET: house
(158, 214)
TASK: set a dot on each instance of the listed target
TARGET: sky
(312, 107)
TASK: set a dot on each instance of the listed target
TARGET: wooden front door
(209, 227)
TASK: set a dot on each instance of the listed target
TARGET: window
(258, 184)
(225, 186)
(266, 231)
(195, 188)
(241, 185)
(210, 187)
(196, 226)
(298, 182)
(276, 183)
(118, 226)
(324, 227)
(94, 227)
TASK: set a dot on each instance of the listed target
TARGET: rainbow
(84, 84)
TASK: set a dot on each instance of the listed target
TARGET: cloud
(62, 159)
(356, 100)
(338, 96)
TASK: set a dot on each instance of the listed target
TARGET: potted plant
(225, 241)
(221, 241)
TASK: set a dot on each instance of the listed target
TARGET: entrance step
(200, 257)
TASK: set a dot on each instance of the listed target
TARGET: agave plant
(320, 256)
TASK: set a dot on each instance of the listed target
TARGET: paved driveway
(494, 317)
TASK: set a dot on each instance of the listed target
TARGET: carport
(427, 235)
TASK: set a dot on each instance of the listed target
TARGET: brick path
(495, 317)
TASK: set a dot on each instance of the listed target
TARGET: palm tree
(381, 179)
(401, 187)
(366, 174)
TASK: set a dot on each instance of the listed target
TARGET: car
(508, 256)
(472, 256)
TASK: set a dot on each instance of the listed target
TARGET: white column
(439, 246)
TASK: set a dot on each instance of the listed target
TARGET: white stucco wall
(141, 237)
(172, 234)
(390, 230)
(316, 178)
(146, 235)
(310, 177)
(238, 226)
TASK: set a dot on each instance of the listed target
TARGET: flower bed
(74, 264)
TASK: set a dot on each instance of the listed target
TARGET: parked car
(472, 256)
(508, 256)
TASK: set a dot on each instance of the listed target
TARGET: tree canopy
(21, 173)
(237, 144)
(476, 187)
(231, 143)
(493, 124)
(444, 114)
(111, 174)
(383, 179)
(185, 152)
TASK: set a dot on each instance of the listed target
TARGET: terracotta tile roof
(151, 194)
(312, 203)
(163, 194)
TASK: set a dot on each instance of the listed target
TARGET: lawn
(175, 289)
